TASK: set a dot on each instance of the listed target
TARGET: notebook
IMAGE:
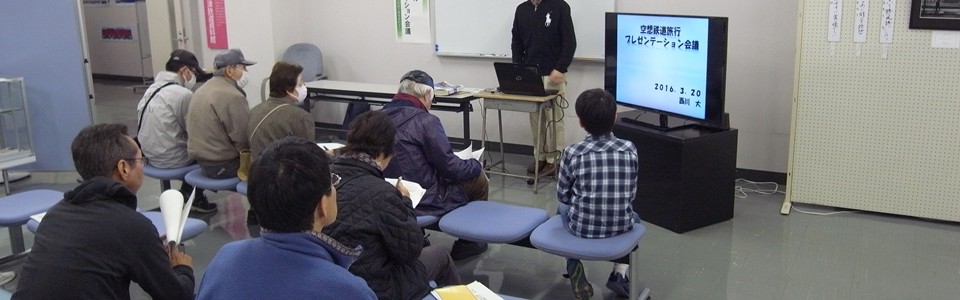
(521, 79)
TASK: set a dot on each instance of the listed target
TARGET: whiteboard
(482, 27)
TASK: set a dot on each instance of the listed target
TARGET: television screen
(674, 65)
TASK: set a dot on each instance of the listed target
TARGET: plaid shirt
(598, 180)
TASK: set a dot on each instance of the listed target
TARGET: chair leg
(16, 239)
(164, 185)
(637, 292)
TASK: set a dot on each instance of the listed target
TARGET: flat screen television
(668, 64)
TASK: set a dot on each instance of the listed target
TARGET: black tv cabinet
(686, 176)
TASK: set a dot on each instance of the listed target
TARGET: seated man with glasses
(93, 243)
(292, 191)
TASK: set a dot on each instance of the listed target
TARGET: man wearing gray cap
(162, 119)
(218, 116)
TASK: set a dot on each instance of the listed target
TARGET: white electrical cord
(741, 192)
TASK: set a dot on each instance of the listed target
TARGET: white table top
(374, 88)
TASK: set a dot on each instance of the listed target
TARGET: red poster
(216, 15)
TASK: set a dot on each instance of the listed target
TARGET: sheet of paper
(183, 217)
(482, 292)
(888, 13)
(465, 153)
(833, 22)
(468, 153)
(862, 19)
(38, 217)
(416, 191)
(330, 146)
(945, 39)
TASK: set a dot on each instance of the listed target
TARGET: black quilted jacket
(373, 214)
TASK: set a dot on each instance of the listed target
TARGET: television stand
(686, 175)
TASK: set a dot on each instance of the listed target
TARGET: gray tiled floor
(760, 254)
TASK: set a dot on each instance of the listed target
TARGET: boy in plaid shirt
(596, 184)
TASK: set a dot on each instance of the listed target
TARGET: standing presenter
(543, 35)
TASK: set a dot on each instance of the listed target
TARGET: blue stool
(552, 237)
(165, 175)
(425, 221)
(16, 209)
(492, 222)
(242, 188)
(197, 179)
(191, 229)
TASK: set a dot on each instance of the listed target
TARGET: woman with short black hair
(380, 217)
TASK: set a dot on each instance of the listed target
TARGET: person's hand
(403, 190)
(179, 258)
(556, 77)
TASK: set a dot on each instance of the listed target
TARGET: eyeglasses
(142, 159)
(334, 179)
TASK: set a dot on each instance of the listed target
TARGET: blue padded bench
(552, 237)
(492, 222)
(192, 228)
(165, 175)
(242, 188)
(425, 221)
(197, 179)
(16, 209)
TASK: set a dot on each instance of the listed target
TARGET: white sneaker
(6, 277)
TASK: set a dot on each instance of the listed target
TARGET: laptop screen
(520, 79)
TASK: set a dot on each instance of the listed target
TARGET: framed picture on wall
(935, 14)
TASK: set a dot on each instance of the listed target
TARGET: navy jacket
(422, 154)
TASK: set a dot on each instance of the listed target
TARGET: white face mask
(242, 82)
(301, 93)
(189, 84)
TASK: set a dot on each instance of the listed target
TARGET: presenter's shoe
(7, 277)
(619, 284)
(545, 167)
(578, 280)
(466, 249)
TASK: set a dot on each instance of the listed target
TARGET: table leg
(536, 149)
(466, 107)
(503, 156)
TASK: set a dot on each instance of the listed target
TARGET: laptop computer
(521, 79)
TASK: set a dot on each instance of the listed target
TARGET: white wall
(358, 44)
(161, 39)
(118, 57)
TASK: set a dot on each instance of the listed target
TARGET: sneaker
(466, 249)
(202, 206)
(6, 277)
(619, 284)
(578, 280)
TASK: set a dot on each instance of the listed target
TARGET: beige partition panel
(873, 133)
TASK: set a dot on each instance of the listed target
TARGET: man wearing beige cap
(218, 116)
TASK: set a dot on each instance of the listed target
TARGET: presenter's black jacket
(372, 213)
(93, 243)
(544, 35)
